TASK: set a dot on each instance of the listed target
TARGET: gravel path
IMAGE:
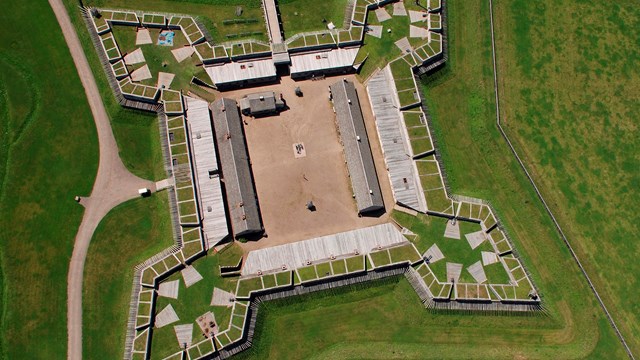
(114, 184)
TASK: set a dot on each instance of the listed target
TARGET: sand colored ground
(285, 183)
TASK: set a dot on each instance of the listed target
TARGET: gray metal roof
(236, 169)
(355, 141)
(403, 173)
(262, 102)
(214, 219)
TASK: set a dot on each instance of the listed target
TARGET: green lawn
(387, 321)
(191, 303)
(128, 235)
(571, 108)
(308, 15)
(48, 154)
(216, 15)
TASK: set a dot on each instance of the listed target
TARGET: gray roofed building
(262, 103)
(355, 141)
(205, 165)
(242, 199)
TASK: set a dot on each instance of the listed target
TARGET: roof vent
(261, 98)
(358, 137)
(349, 101)
(370, 191)
(209, 209)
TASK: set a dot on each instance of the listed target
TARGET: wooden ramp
(169, 289)
(166, 316)
(477, 271)
(134, 57)
(382, 14)
(221, 298)
(297, 254)
(190, 276)
(416, 16)
(165, 79)
(183, 53)
(399, 9)
(143, 37)
(453, 230)
(375, 30)
(475, 238)
(453, 272)
(489, 258)
(433, 254)
(140, 74)
(184, 334)
(418, 32)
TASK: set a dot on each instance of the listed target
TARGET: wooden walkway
(166, 316)
(271, 13)
(169, 289)
(477, 271)
(403, 173)
(184, 334)
(190, 276)
(452, 230)
(475, 238)
(214, 218)
(297, 254)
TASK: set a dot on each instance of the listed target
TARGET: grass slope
(128, 235)
(49, 154)
(388, 321)
(308, 15)
(569, 72)
(213, 13)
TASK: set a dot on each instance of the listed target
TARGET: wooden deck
(214, 220)
(402, 171)
(297, 254)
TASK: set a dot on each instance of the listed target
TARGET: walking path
(544, 203)
(114, 184)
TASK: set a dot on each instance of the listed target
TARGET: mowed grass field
(308, 15)
(130, 234)
(49, 154)
(387, 320)
(570, 84)
(213, 13)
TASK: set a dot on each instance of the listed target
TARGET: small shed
(262, 104)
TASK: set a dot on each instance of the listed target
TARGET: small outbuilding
(262, 104)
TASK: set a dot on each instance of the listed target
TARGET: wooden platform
(141, 73)
(297, 254)
(489, 258)
(169, 289)
(182, 53)
(477, 271)
(416, 16)
(134, 57)
(399, 9)
(382, 14)
(453, 271)
(221, 298)
(184, 334)
(143, 37)
(475, 238)
(453, 230)
(166, 316)
(433, 254)
(190, 276)
(418, 32)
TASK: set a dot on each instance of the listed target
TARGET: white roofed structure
(239, 73)
(321, 62)
(212, 209)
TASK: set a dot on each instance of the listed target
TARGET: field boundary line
(539, 194)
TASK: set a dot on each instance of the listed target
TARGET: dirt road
(114, 184)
